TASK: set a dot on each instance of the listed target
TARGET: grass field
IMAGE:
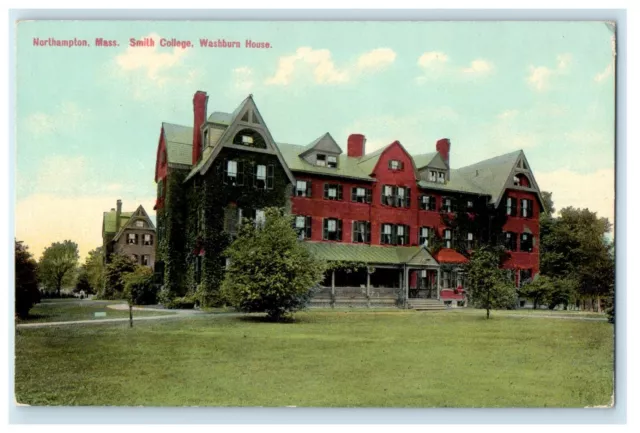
(58, 310)
(324, 359)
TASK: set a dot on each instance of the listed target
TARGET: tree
(82, 282)
(94, 268)
(491, 287)
(58, 264)
(139, 288)
(27, 293)
(538, 291)
(114, 275)
(270, 270)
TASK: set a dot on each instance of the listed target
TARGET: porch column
(406, 286)
(438, 284)
(333, 288)
(404, 301)
(368, 288)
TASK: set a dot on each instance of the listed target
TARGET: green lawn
(60, 311)
(337, 359)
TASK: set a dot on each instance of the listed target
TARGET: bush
(139, 287)
(182, 303)
(114, 274)
(27, 293)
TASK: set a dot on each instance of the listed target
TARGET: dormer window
(247, 139)
(440, 177)
(332, 161)
(394, 164)
(521, 180)
(433, 176)
(516, 181)
(321, 160)
(140, 224)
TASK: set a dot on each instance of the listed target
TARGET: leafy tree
(94, 268)
(270, 270)
(564, 293)
(139, 287)
(114, 275)
(539, 290)
(82, 282)
(58, 264)
(490, 285)
(27, 293)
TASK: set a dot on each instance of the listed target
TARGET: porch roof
(449, 255)
(371, 254)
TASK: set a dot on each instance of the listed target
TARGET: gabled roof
(178, 140)
(109, 221)
(347, 167)
(424, 159)
(374, 254)
(220, 118)
(368, 161)
(492, 175)
(139, 213)
(458, 182)
(324, 143)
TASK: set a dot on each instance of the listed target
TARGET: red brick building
(382, 208)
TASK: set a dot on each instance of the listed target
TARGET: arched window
(521, 180)
(249, 137)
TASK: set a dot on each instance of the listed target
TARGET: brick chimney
(443, 146)
(355, 145)
(118, 213)
(200, 99)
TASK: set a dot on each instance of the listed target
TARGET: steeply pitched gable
(138, 214)
(323, 144)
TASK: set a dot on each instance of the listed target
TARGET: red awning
(448, 255)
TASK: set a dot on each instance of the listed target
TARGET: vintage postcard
(315, 214)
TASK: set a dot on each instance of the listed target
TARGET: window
(386, 234)
(303, 188)
(387, 195)
(249, 137)
(440, 177)
(360, 194)
(511, 206)
(525, 277)
(526, 242)
(263, 176)
(446, 279)
(332, 191)
(526, 208)
(332, 161)
(448, 241)
(446, 205)
(510, 241)
(132, 239)
(321, 160)
(424, 236)
(148, 240)
(134, 257)
(402, 235)
(232, 219)
(146, 260)
(428, 202)
(470, 241)
(469, 204)
(332, 229)
(433, 176)
(140, 224)
(303, 227)
(261, 172)
(516, 181)
(260, 218)
(246, 139)
(394, 164)
(403, 197)
(361, 231)
(233, 173)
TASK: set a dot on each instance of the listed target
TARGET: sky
(89, 118)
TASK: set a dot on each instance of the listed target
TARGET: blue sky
(88, 118)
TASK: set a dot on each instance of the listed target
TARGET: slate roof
(347, 167)
(362, 253)
(220, 118)
(109, 219)
(491, 174)
(424, 159)
(178, 140)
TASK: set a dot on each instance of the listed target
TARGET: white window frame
(388, 191)
(140, 224)
(386, 229)
(433, 175)
(320, 162)
(400, 230)
(440, 177)
(332, 226)
(401, 192)
(300, 219)
(261, 172)
(395, 164)
(360, 192)
(147, 239)
(232, 168)
(332, 192)
(303, 189)
(247, 139)
(332, 160)
(131, 239)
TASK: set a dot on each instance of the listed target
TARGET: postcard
(315, 214)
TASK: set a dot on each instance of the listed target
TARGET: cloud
(242, 78)
(59, 174)
(437, 65)
(149, 59)
(540, 77)
(594, 190)
(323, 69)
(66, 117)
(76, 218)
(608, 71)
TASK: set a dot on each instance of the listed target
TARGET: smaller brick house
(129, 233)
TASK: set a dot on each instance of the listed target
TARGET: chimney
(200, 99)
(118, 212)
(355, 145)
(443, 146)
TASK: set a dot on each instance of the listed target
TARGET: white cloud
(76, 218)
(58, 174)
(432, 59)
(594, 191)
(376, 59)
(323, 69)
(604, 74)
(478, 67)
(65, 117)
(242, 78)
(540, 77)
(149, 59)
(437, 65)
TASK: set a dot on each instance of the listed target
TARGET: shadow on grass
(266, 319)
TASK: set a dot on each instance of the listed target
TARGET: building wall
(122, 247)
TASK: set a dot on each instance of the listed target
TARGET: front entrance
(423, 283)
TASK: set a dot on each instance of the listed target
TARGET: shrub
(27, 293)
(114, 274)
(182, 303)
(139, 287)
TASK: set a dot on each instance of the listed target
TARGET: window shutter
(307, 227)
(367, 235)
(326, 190)
(339, 227)
(270, 175)
(394, 192)
(390, 164)
(407, 193)
(325, 227)
(401, 165)
(225, 173)
(340, 188)
(353, 193)
(240, 178)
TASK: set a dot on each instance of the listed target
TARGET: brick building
(129, 233)
(382, 208)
